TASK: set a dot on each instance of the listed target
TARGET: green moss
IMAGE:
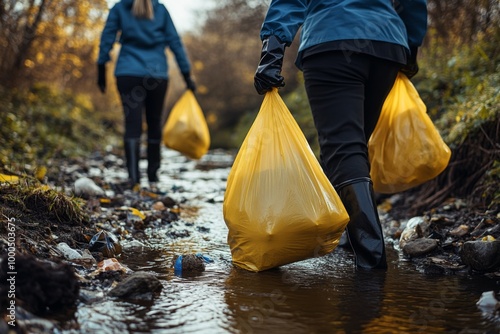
(43, 123)
(30, 195)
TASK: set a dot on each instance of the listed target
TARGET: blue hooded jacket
(143, 42)
(401, 22)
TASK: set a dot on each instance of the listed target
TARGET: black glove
(101, 77)
(268, 74)
(189, 82)
(411, 67)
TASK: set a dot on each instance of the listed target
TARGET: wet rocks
(445, 240)
(111, 264)
(81, 257)
(141, 286)
(415, 228)
(68, 252)
(442, 264)
(481, 255)
(420, 247)
(460, 231)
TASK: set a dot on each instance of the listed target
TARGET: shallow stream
(321, 295)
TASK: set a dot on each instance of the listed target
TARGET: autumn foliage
(54, 44)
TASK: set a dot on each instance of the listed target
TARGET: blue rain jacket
(402, 22)
(143, 42)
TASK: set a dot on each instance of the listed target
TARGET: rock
(68, 252)
(87, 260)
(110, 265)
(138, 286)
(159, 206)
(432, 269)
(419, 247)
(442, 265)
(415, 228)
(85, 187)
(481, 255)
(88, 296)
(460, 231)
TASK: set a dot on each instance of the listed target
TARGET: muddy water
(322, 295)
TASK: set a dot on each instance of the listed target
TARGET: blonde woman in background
(145, 30)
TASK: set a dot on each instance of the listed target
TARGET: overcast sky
(184, 13)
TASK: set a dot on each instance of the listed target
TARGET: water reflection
(319, 295)
(364, 303)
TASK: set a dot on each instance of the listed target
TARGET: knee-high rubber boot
(132, 155)
(363, 230)
(154, 158)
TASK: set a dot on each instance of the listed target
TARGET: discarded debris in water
(106, 243)
(190, 263)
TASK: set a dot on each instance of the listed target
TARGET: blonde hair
(143, 9)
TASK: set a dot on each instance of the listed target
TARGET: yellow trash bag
(279, 206)
(405, 148)
(186, 129)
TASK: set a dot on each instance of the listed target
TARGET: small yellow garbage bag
(186, 129)
(279, 206)
(405, 148)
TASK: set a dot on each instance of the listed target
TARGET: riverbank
(57, 231)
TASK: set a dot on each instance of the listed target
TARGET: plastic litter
(200, 265)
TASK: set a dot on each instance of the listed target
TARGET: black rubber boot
(363, 230)
(132, 155)
(154, 158)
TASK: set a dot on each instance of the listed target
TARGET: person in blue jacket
(350, 53)
(145, 30)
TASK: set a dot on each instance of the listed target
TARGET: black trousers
(138, 94)
(346, 95)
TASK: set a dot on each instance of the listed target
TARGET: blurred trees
(56, 41)
(49, 40)
(225, 54)
(226, 51)
(461, 21)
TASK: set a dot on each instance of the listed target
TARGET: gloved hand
(268, 74)
(189, 82)
(101, 77)
(411, 67)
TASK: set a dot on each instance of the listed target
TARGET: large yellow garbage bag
(279, 206)
(405, 148)
(186, 129)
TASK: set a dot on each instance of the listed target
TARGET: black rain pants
(138, 94)
(346, 95)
